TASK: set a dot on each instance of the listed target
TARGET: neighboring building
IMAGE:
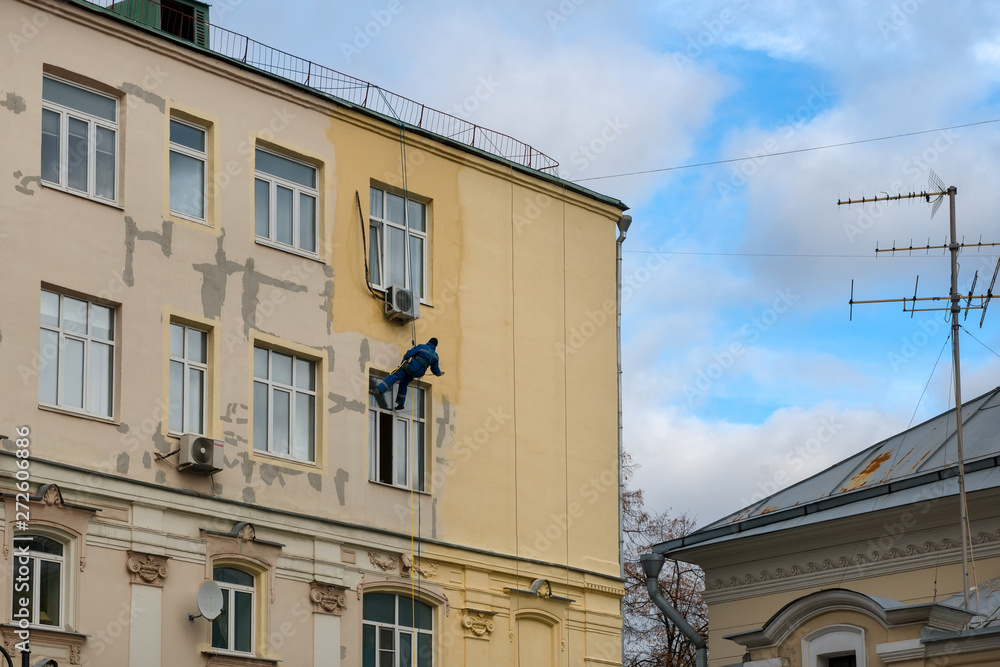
(197, 236)
(862, 563)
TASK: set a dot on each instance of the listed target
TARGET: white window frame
(93, 122)
(293, 390)
(833, 641)
(37, 557)
(188, 365)
(298, 189)
(197, 155)
(397, 630)
(229, 590)
(88, 340)
(406, 472)
(379, 223)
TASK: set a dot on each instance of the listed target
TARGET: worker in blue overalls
(415, 363)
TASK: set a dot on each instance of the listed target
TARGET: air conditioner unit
(401, 304)
(200, 454)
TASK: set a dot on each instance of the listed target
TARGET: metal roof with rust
(917, 464)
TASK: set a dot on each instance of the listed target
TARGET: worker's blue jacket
(419, 358)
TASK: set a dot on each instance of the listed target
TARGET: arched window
(398, 631)
(38, 586)
(232, 630)
(834, 646)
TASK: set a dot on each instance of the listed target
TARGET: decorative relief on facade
(74, 655)
(861, 559)
(146, 568)
(545, 590)
(384, 563)
(478, 624)
(423, 568)
(247, 533)
(83, 563)
(328, 599)
(52, 495)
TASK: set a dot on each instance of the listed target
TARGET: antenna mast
(938, 192)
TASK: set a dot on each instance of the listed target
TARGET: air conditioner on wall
(200, 454)
(401, 304)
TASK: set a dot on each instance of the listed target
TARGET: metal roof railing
(242, 49)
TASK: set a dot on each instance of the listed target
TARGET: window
(232, 630)
(188, 369)
(834, 646)
(187, 170)
(285, 202)
(396, 442)
(284, 404)
(38, 579)
(79, 139)
(77, 352)
(398, 238)
(397, 631)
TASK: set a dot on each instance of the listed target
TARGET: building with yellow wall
(199, 237)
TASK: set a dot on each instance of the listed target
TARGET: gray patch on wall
(331, 357)
(327, 304)
(444, 423)
(161, 443)
(342, 403)
(366, 355)
(315, 481)
(247, 466)
(252, 280)
(341, 480)
(13, 102)
(269, 473)
(214, 278)
(231, 410)
(147, 460)
(161, 477)
(249, 495)
(434, 519)
(144, 95)
(122, 465)
(161, 238)
(22, 185)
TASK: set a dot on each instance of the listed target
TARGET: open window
(396, 441)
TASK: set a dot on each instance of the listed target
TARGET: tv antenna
(935, 195)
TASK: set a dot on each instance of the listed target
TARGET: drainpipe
(624, 223)
(651, 566)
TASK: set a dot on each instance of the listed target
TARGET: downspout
(651, 566)
(623, 224)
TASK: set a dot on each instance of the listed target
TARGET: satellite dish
(209, 601)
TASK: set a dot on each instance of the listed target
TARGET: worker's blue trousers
(403, 377)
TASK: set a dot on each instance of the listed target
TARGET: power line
(774, 254)
(789, 152)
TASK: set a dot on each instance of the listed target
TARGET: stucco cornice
(822, 571)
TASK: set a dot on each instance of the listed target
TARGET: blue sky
(753, 257)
